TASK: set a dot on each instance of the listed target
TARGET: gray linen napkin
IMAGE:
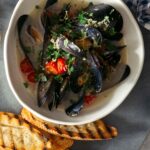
(142, 10)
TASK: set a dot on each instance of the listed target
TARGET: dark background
(132, 118)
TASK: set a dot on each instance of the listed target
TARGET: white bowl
(106, 102)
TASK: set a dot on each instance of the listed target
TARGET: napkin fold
(142, 11)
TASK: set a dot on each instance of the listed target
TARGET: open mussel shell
(122, 72)
(61, 91)
(96, 73)
(31, 34)
(49, 3)
(100, 11)
(96, 79)
(70, 47)
(109, 20)
(43, 89)
(56, 93)
(94, 35)
(75, 87)
(76, 107)
(91, 33)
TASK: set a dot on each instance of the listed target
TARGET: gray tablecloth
(132, 118)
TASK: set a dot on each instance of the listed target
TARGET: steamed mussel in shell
(73, 53)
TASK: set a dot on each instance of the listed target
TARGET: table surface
(132, 118)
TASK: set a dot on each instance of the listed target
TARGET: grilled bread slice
(16, 133)
(92, 131)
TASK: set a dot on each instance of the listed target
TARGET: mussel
(106, 19)
(92, 34)
(31, 35)
(56, 93)
(32, 32)
(76, 107)
(43, 90)
(70, 47)
(75, 87)
(122, 71)
(96, 74)
(62, 91)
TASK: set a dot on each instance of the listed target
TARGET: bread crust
(97, 130)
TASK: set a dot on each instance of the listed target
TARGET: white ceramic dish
(106, 102)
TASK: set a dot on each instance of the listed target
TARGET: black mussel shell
(126, 73)
(21, 22)
(43, 89)
(112, 18)
(99, 12)
(70, 47)
(96, 80)
(96, 74)
(74, 83)
(94, 35)
(115, 37)
(61, 90)
(120, 74)
(50, 2)
(75, 108)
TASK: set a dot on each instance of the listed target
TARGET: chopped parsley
(26, 85)
(66, 42)
(28, 49)
(82, 17)
(58, 78)
(111, 31)
(70, 62)
(37, 7)
(41, 77)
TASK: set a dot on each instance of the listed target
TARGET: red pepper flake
(31, 77)
(26, 66)
(88, 99)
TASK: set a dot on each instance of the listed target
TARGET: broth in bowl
(71, 56)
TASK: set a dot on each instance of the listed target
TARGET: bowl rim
(50, 119)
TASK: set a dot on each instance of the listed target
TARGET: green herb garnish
(26, 85)
(82, 17)
(28, 49)
(58, 78)
(66, 42)
(37, 7)
(70, 62)
(41, 77)
(111, 31)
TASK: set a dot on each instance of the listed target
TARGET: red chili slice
(61, 65)
(31, 77)
(26, 66)
(51, 67)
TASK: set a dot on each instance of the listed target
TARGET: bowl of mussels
(72, 62)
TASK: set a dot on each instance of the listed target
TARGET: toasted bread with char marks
(17, 134)
(97, 130)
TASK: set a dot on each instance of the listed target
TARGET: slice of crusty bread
(17, 134)
(92, 131)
